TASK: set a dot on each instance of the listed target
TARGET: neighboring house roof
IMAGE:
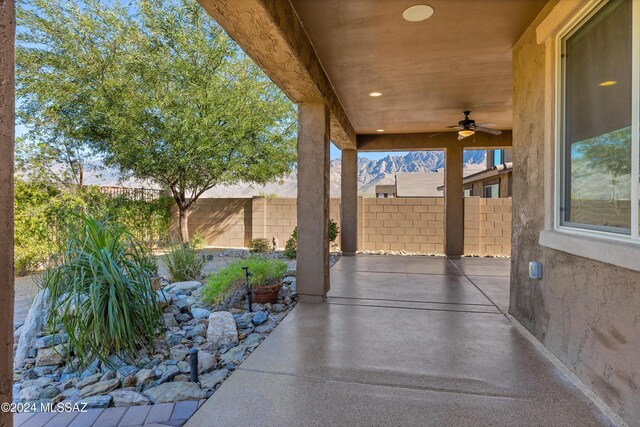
(418, 184)
(386, 189)
(496, 170)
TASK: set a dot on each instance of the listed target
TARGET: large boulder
(222, 329)
(36, 318)
(128, 398)
(175, 392)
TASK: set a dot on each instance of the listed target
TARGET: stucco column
(7, 85)
(312, 270)
(453, 202)
(349, 203)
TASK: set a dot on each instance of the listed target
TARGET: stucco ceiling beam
(271, 33)
(432, 141)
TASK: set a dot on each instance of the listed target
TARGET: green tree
(158, 89)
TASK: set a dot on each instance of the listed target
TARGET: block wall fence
(395, 224)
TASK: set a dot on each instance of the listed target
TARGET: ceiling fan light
(465, 133)
(417, 13)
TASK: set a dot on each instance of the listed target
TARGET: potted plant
(265, 294)
(265, 279)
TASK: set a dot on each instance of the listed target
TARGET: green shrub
(102, 293)
(46, 216)
(32, 246)
(184, 262)
(291, 247)
(259, 245)
(263, 271)
(197, 241)
(334, 230)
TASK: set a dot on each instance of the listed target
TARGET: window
(598, 179)
(467, 192)
(492, 191)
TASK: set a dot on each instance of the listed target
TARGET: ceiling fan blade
(454, 127)
(487, 130)
(485, 124)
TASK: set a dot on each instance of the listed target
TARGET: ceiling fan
(468, 127)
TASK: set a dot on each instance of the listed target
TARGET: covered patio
(401, 341)
(426, 340)
(368, 79)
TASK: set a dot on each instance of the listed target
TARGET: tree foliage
(157, 89)
(46, 215)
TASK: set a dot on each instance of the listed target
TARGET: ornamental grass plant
(184, 262)
(102, 293)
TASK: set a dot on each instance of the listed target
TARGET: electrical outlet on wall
(535, 270)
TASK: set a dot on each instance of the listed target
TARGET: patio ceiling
(428, 72)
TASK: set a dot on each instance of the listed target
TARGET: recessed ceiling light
(375, 94)
(608, 83)
(417, 13)
(379, 130)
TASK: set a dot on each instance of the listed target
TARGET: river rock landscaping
(224, 335)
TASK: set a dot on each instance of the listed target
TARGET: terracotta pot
(265, 294)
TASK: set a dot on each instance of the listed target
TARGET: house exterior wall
(477, 187)
(584, 311)
(392, 224)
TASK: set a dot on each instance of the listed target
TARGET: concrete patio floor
(401, 341)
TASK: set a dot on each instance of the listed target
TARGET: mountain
(370, 173)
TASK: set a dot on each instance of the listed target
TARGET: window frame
(490, 184)
(574, 25)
